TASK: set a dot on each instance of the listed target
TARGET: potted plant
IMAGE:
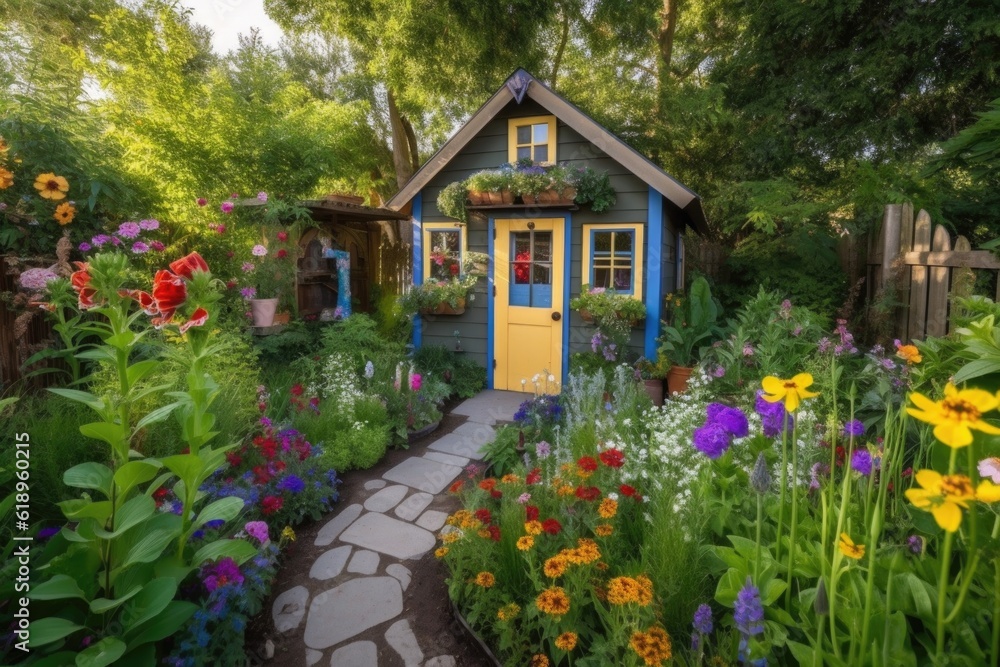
(451, 201)
(271, 272)
(490, 187)
(691, 325)
(599, 304)
(439, 297)
(593, 188)
(651, 375)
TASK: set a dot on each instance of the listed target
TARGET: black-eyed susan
(50, 186)
(539, 660)
(555, 566)
(957, 415)
(792, 391)
(65, 213)
(525, 542)
(441, 552)
(944, 496)
(849, 548)
(508, 611)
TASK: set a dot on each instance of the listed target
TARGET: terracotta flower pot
(283, 317)
(654, 389)
(444, 308)
(263, 311)
(507, 196)
(477, 198)
(677, 379)
(586, 315)
(496, 198)
(530, 200)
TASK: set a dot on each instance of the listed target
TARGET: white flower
(369, 370)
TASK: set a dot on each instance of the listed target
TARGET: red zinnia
(613, 458)
(627, 490)
(496, 493)
(532, 512)
(587, 464)
(187, 265)
(261, 475)
(282, 253)
(271, 504)
(488, 484)
(588, 492)
(534, 477)
(494, 533)
(234, 458)
(484, 515)
(456, 487)
(282, 236)
(551, 526)
(297, 390)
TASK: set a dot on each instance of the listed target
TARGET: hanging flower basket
(445, 308)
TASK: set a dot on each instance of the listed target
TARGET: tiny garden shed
(519, 324)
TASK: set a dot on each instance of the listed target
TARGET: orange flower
(566, 641)
(441, 552)
(553, 601)
(604, 529)
(608, 508)
(485, 579)
(539, 660)
(533, 528)
(525, 542)
(6, 179)
(555, 566)
(909, 353)
(50, 186)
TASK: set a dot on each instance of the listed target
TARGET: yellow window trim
(512, 125)
(429, 227)
(638, 268)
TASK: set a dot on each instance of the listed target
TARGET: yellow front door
(528, 274)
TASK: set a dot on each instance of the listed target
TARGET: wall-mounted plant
(594, 188)
(451, 201)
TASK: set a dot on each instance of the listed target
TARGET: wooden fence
(919, 261)
(22, 334)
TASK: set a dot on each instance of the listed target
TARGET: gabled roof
(520, 85)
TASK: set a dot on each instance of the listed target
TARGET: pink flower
(157, 246)
(282, 236)
(221, 229)
(227, 207)
(258, 250)
(415, 382)
(202, 201)
(262, 196)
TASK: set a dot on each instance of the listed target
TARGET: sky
(227, 19)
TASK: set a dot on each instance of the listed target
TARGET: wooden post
(918, 278)
(937, 298)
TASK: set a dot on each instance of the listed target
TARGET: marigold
(956, 415)
(533, 528)
(50, 186)
(6, 179)
(555, 566)
(566, 641)
(653, 646)
(850, 549)
(488, 484)
(441, 552)
(484, 533)
(909, 353)
(604, 529)
(944, 496)
(608, 508)
(65, 213)
(456, 486)
(645, 590)
(588, 551)
(792, 391)
(485, 579)
(539, 660)
(450, 537)
(510, 478)
(525, 542)
(566, 490)
(508, 611)
(553, 601)
(623, 590)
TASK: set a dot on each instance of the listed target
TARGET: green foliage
(465, 378)
(502, 454)
(358, 338)
(451, 201)
(433, 293)
(691, 325)
(349, 441)
(296, 339)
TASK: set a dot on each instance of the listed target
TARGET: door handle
(556, 317)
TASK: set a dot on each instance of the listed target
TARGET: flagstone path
(356, 586)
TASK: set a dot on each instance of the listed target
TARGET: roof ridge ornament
(518, 85)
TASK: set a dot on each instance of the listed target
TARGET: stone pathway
(356, 586)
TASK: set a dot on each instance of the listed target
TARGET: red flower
(234, 458)
(282, 236)
(613, 458)
(496, 493)
(532, 512)
(484, 515)
(80, 280)
(145, 299)
(262, 406)
(907, 472)
(280, 466)
(187, 265)
(282, 253)
(627, 490)
(297, 390)
(169, 293)
(271, 505)
(160, 493)
(230, 284)
(453, 269)
(261, 475)
(202, 201)
(494, 533)
(551, 526)
(268, 447)
(587, 464)
(588, 492)
(534, 477)
(456, 487)
(488, 484)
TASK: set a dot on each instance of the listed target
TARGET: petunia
(792, 391)
(944, 496)
(956, 415)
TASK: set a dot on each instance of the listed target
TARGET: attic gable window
(533, 138)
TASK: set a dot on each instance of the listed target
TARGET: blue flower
(749, 611)
(731, 419)
(773, 416)
(703, 619)
(861, 461)
(854, 428)
(292, 483)
(712, 440)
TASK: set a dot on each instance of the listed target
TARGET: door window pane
(531, 269)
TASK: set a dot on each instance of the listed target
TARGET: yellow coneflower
(50, 186)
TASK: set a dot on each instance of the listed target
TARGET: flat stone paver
(401, 637)
(364, 562)
(289, 608)
(491, 406)
(313, 656)
(423, 474)
(330, 564)
(411, 508)
(386, 499)
(457, 445)
(401, 573)
(350, 609)
(358, 654)
(333, 528)
(478, 433)
(389, 536)
(373, 484)
(441, 661)
(432, 520)
(459, 461)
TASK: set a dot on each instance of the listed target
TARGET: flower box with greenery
(691, 324)
(490, 187)
(599, 305)
(440, 297)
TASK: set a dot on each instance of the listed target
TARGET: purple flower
(157, 246)
(824, 345)
(258, 250)
(861, 461)
(786, 306)
(915, 544)
(139, 248)
(797, 331)
(731, 419)
(149, 225)
(248, 267)
(712, 440)
(292, 483)
(719, 372)
(748, 350)
(815, 472)
(226, 571)
(248, 292)
(854, 428)
(595, 342)
(226, 207)
(773, 416)
(100, 240)
(703, 619)
(47, 533)
(523, 498)
(257, 530)
(115, 240)
(129, 230)
(888, 364)
(749, 612)
(542, 449)
(84, 247)
(262, 196)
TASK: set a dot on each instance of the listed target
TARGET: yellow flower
(533, 528)
(608, 508)
(604, 529)
(623, 590)
(566, 490)
(653, 646)
(508, 611)
(945, 496)
(553, 601)
(539, 660)
(956, 415)
(645, 596)
(525, 542)
(555, 566)
(441, 552)
(485, 534)
(6, 179)
(65, 213)
(909, 353)
(288, 534)
(50, 186)
(587, 550)
(791, 391)
(987, 492)
(451, 537)
(485, 579)
(850, 549)
(510, 478)
(566, 641)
